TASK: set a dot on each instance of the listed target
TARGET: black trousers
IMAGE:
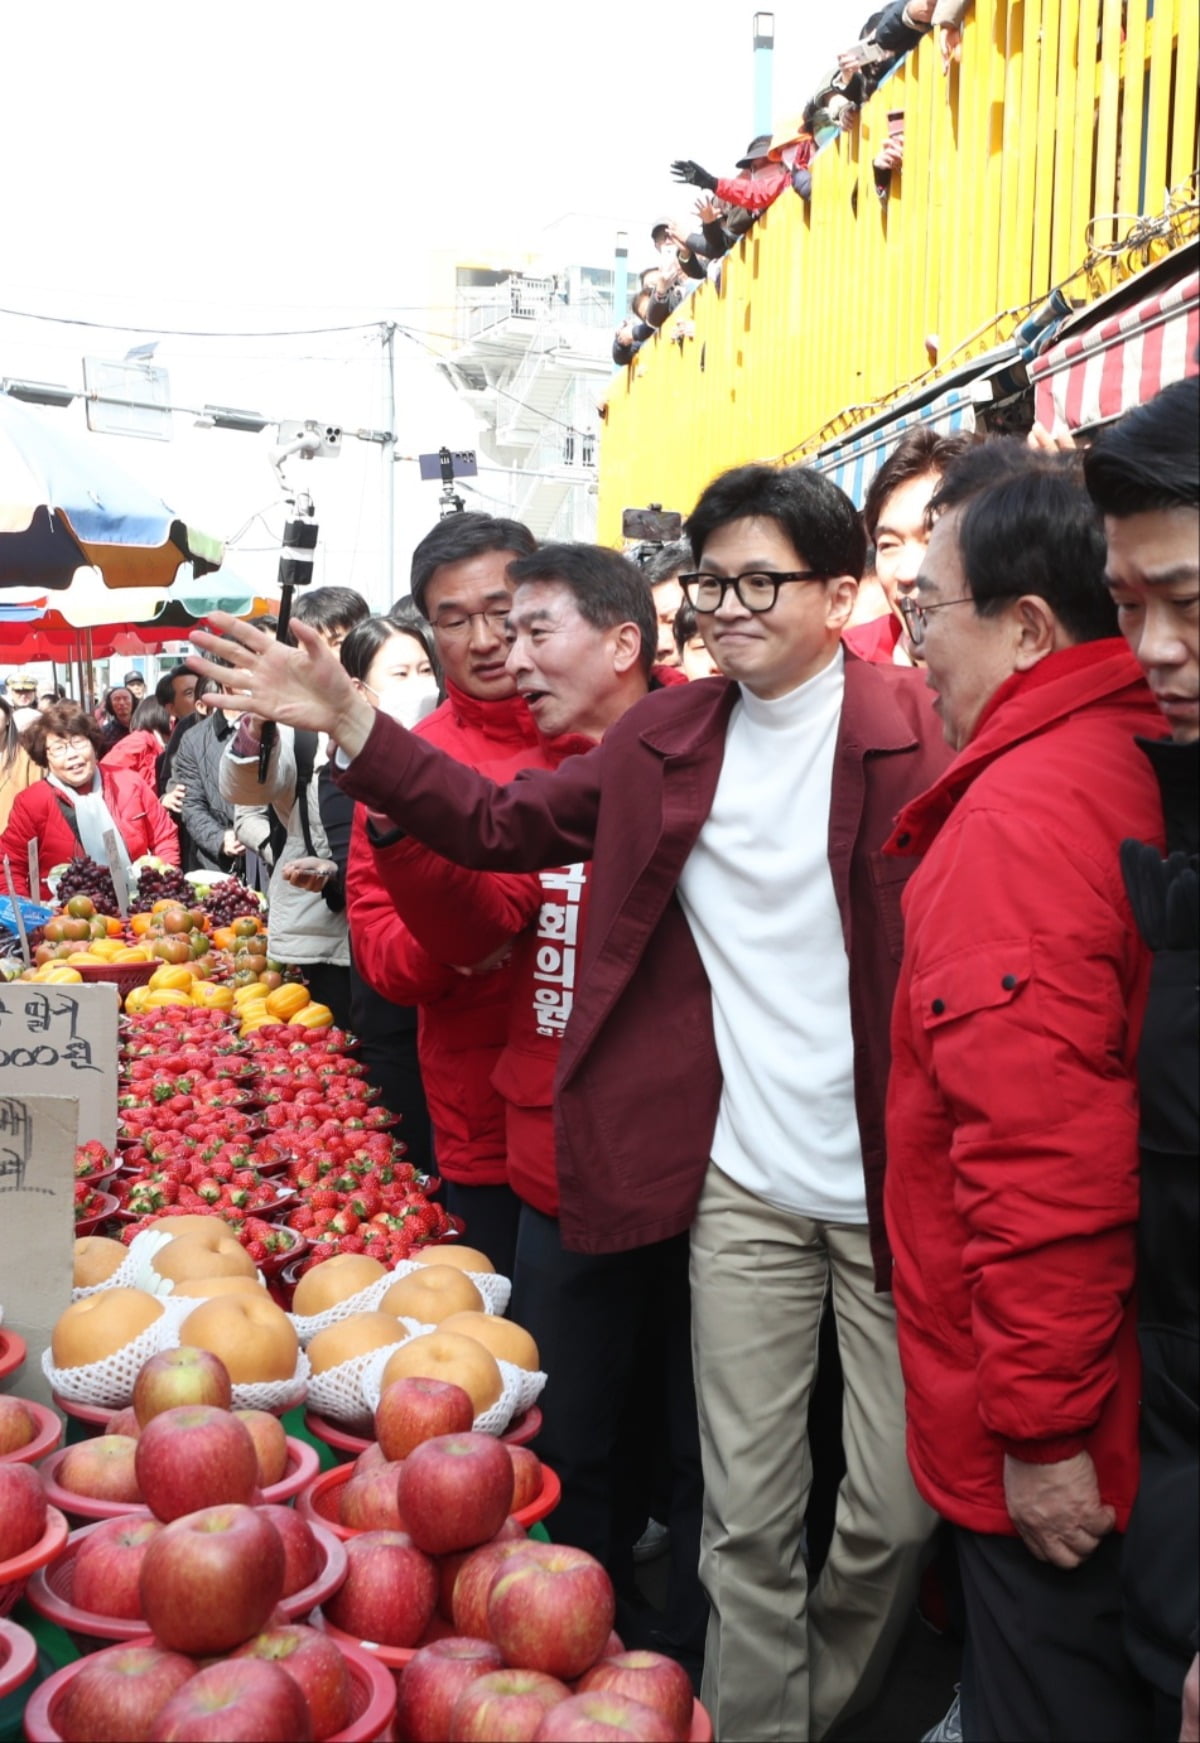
(329, 985)
(1044, 1660)
(491, 1215)
(614, 1332)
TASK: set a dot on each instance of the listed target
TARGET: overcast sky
(239, 167)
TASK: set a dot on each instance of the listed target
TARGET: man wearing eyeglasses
(1012, 1187)
(724, 1065)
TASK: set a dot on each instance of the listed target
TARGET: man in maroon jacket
(1012, 1188)
(724, 1066)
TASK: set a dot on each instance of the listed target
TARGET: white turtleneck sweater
(758, 894)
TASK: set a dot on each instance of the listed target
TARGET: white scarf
(94, 818)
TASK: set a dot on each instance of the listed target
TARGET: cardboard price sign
(62, 1040)
(37, 1222)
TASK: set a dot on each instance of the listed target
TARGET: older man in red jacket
(724, 1065)
(1012, 1188)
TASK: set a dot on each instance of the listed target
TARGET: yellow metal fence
(1065, 123)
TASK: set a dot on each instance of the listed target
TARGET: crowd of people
(772, 991)
(691, 247)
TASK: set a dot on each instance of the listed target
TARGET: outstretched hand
(304, 686)
(686, 169)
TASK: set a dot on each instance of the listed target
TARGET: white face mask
(405, 700)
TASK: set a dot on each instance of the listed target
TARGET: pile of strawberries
(281, 1121)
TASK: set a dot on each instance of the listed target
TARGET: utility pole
(389, 462)
(764, 49)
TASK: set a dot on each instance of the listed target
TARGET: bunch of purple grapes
(230, 900)
(163, 886)
(85, 877)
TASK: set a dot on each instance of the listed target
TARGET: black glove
(685, 170)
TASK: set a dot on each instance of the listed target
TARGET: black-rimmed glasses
(757, 589)
(915, 614)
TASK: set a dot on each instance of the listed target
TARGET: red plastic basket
(318, 1503)
(123, 975)
(332, 1573)
(304, 1462)
(15, 1572)
(520, 1432)
(50, 1432)
(372, 1696)
(18, 1657)
(110, 1204)
(394, 1657)
(82, 1509)
(12, 1352)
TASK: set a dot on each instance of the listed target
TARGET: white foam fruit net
(109, 1384)
(520, 1389)
(337, 1393)
(275, 1395)
(365, 1301)
(124, 1277)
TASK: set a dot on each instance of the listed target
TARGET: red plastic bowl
(318, 1503)
(50, 1432)
(394, 1657)
(522, 1430)
(12, 1352)
(110, 1204)
(304, 1462)
(95, 1415)
(18, 1657)
(16, 1571)
(327, 1581)
(82, 1509)
(373, 1698)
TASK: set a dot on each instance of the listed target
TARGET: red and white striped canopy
(1118, 363)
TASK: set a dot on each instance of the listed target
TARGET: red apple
(472, 1588)
(604, 1717)
(315, 1665)
(211, 1579)
(303, 1557)
(505, 1706)
(105, 1469)
(455, 1491)
(389, 1591)
(527, 1476)
(433, 1681)
(270, 1444)
(240, 1700)
(369, 1458)
(117, 1694)
(552, 1610)
(612, 1646)
(448, 1565)
(22, 1510)
(368, 1502)
(649, 1677)
(107, 1566)
(124, 1422)
(185, 1375)
(413, 1410)
(194, 1457)
(18, 1424)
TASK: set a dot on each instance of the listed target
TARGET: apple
(107, 1566)
(369, 1458)
(211, 1579)
(649, 1677)
(18, 1425)
(552, 1610)
(303, 1557)
(448, 1566)
(240, 1700)
(505, 1706)
(433, 1681)
(604, 1717)
(194, 1456)
(104, 1469)
(117, 1693)
(389, 1591)
(415, 1409)
(368, 1502)
(613, 1646)
(185, 1375)
(527, 1476)
(473, 1586)
(124, 1421)
(315, 1665)
(270, 1445)
(22, 1510)
(455, 1491)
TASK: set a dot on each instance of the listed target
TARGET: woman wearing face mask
(69, 812)
(394, 667)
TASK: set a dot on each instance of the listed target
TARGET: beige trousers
(782, 1664)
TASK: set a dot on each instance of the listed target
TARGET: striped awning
(1120, 362)
(852, 464)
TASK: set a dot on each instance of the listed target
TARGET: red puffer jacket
(143, 824)
(463, 1019)
(1012, 1182)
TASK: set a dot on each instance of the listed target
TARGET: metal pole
(764, 48)
(389, 464)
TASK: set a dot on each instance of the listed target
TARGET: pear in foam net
(334, 1281)
(95, 1260)
(98, 1326)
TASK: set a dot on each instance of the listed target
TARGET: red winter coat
(639, 1082)
(754, 193)
(876, 639)
(463, 1019)
(143, 824)
(138, 751)
(1012, 1186)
